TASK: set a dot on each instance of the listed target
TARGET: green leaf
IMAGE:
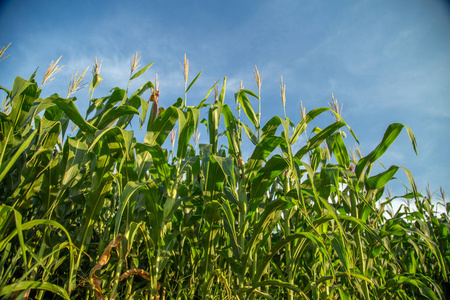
(398, 281)
(222, 92)
(249, 92)
(392, 229)
(186, 133)
(95, 82)
(265, 177)
(214, 114)
(161, 127)
(276, 248)
(7, 165)
(434, 249)
(38, 285)
(227, 166)
(339, 247)
(380, 180)
(101, 182)
(340, 151)
(271, 127)
(150, 192)
(274, 283)
(124, 199)
(146, 86)
(214, 180)
(23, 95)
(250, 134)
(262, 151)
(94, 204)
(193, 81)
(113, 114)
(20, 227)
(159, 159)
(389, 137)
(319, 138)
(141, 71)
(229, 223)
(248, 109)
(77, 155)
(71, 111)
(232, 131)
(38, 106)
(300, 128)
(119, 142)
(201, 104)
(18, 221)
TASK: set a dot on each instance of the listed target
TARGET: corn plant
(97, 213)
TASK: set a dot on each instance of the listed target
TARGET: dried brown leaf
(104, 258)
(140, 272)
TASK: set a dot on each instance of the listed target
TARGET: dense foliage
(95, 213)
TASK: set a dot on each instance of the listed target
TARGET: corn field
(88, 211)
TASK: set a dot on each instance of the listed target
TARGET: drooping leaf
(23, 95)
(389, 137)
(34, 285)
(380, 180)
(71, 111)
(262, 151)
(265, 177)
(250, 133)
(271, 127)
(246, 105)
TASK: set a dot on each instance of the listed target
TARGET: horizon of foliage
(98, 214)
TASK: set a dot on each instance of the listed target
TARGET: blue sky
(385, 61)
